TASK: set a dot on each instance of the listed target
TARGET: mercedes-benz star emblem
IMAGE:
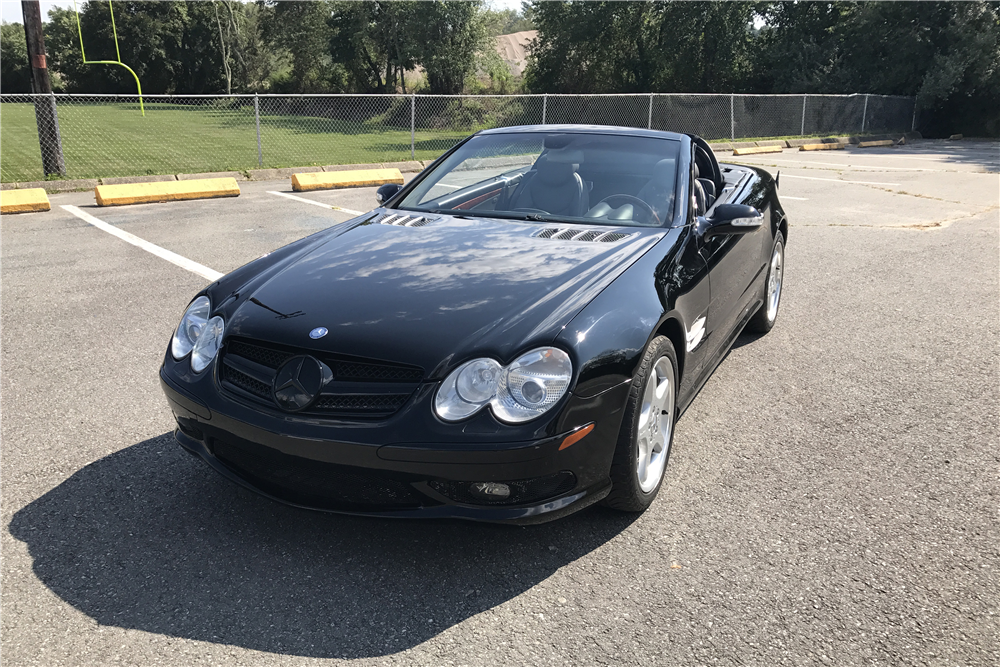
(299, 381)
(318, 332)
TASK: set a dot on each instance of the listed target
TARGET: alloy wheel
(656, 421)
(774, 281)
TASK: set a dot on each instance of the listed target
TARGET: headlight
(208, 344)
(525, 389)
(194, 321)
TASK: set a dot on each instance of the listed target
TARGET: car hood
(435, 294)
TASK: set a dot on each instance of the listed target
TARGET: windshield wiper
(504, 215)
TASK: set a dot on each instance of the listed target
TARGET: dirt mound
(513, 48)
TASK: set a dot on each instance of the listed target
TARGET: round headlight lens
(468, 388)
(478, 381)
(525, 389)
(532, 384)
(190, 328)
(208, 344)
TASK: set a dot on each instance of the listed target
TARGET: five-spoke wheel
(655, 425)
(647, 430)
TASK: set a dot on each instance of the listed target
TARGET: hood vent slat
(585, 235)
(401, 220)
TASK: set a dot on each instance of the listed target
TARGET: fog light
(489, 490)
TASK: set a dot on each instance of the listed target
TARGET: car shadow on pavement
(150, 538)
(745, 338)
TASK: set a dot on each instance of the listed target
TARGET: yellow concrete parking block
(822, 147)
(358, 178)
(758, 149)
(147, 193)
(875, 144)
(29, 200)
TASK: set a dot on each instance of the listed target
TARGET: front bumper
(403, 481)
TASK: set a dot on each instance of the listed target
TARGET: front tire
(765, 317)
(647, 430)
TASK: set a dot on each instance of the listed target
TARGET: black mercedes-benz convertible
(509, 337)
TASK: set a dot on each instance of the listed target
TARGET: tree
(509, 21)
(15, 75)
(301, 30)
(640, 46)
(169, 45)
(947, 54)
(246, 57)
(376, 42)
(451, 35)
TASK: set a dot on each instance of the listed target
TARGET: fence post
(413, 126)
(545, 106)
(732, 117)
(649, 124)
(256, 115)
(864, 114)
(913, 124)
(802, 130)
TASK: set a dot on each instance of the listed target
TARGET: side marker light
(576, 437)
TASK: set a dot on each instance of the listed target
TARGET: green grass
(115, 140)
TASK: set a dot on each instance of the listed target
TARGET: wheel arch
(672, 328)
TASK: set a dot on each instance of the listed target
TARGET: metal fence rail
(105, 135)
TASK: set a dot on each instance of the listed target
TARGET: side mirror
(387, 192)
(732, 219)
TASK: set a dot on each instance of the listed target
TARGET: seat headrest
(552, 172)
(565, 156)
(663, 171)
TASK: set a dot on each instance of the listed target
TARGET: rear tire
(765, 317)
(647, 430)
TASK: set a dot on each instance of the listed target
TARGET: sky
(10, 10)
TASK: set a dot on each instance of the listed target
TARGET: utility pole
(45, 103)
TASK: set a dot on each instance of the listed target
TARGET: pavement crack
(923, 226)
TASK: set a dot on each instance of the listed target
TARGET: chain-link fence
(107, 135)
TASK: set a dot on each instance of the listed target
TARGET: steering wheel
(635, 201)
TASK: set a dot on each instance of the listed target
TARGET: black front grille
(359, 389)
(262, 355)
(315, 483)
(522, 492)
(355, 372)
(361, 402)
(246, 382)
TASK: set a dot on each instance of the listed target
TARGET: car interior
(589, 177)
(610, 179)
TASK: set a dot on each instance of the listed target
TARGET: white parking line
(795, 198)
(842, 165)
(837, 180)
(172, 257)
(314, 203)
(939, 157)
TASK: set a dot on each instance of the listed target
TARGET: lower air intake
(315, 483)
(522, 492)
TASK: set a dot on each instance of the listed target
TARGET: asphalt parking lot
(831, 499)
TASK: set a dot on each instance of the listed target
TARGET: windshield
(559, 176)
